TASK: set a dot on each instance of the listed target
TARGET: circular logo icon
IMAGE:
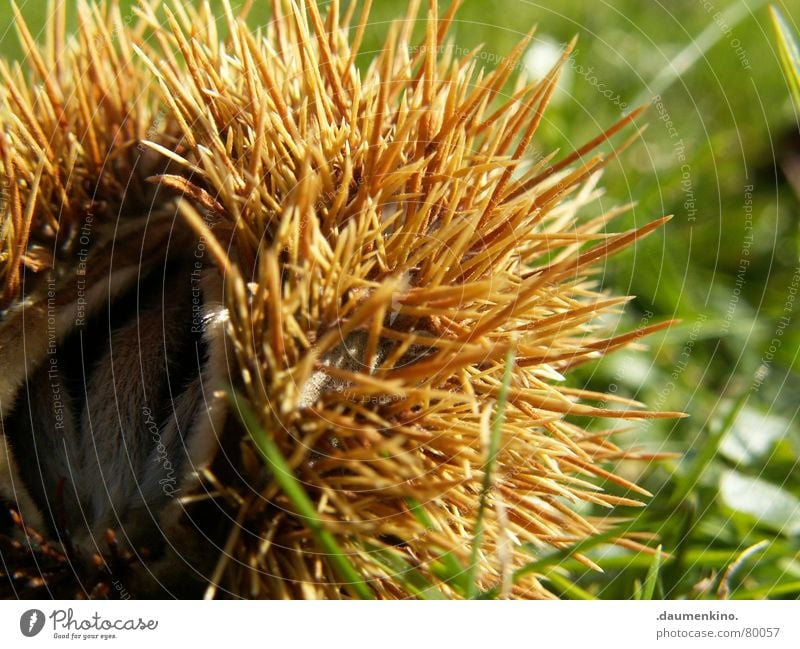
(31, 622)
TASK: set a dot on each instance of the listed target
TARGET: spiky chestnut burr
(376, 255)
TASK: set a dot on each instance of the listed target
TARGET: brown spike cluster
(72, 118)
(386, 243)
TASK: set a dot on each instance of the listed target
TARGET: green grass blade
(411, 579)
(447, 566)
(789, 52)
(559, 557)
(494, 448)
(300, 500)
(699, 557)
(651, 582)
(567, 588)
(781, 591)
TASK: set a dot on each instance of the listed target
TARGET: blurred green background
(722, 153)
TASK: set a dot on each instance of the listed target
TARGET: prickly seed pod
(355, 297)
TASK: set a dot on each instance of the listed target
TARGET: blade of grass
(789, 52)
(772, 590)
(447, 567)
(300, 500)
(411, 578)
(494, 448)
(652, 581)
(682, 526)
(702, 558)
(558, 557)
(567, 588)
